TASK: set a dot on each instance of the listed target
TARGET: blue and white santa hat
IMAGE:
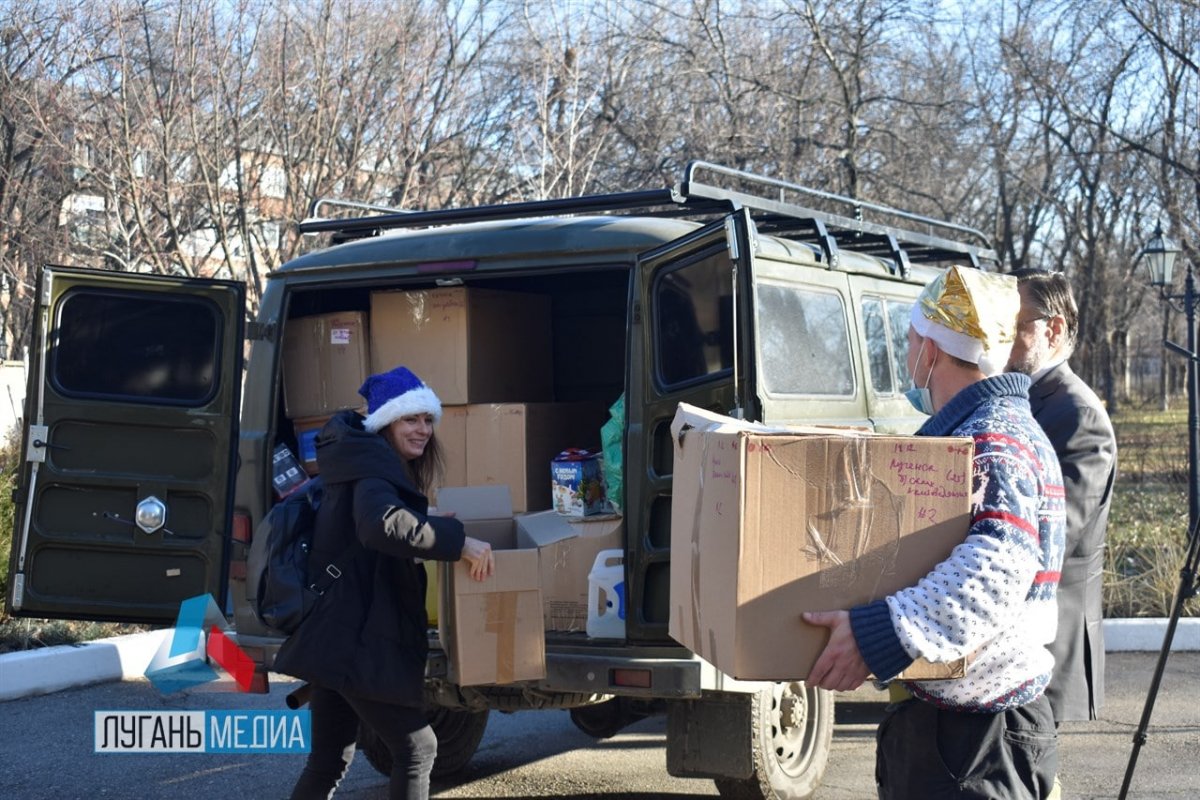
(395, 394)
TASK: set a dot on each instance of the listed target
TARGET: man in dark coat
(1078, 426)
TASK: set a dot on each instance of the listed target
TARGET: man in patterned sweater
(990, 734)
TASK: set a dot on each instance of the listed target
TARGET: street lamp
(1159, 254)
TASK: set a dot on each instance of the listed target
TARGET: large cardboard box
(325, 362)
(452, 435)
(491, 630)
(769, 523)
(514, 443)
(567, 549)
(469, 345)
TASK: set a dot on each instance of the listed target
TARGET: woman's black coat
(367, 635)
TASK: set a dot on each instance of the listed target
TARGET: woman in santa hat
(363, 646)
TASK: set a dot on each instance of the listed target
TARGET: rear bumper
(632, 671)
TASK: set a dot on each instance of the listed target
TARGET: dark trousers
(404, 731)
(926, 752)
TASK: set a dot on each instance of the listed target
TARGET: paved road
(46, 750)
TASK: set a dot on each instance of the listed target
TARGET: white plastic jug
(606, 596)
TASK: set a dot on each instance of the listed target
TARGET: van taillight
(241, 528)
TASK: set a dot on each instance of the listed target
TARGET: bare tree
(43, 48)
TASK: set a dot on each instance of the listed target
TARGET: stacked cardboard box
(470, 345)
(325, 361)
(513, 444)
(452, 435)
(769, 523)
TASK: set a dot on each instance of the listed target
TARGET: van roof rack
(774, 205)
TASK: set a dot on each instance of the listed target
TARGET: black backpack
(277, 566)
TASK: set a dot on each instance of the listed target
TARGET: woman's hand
(479, 555)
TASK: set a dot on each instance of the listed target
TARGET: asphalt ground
(47, 743)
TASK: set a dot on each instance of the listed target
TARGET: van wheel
(790, 742)
(458, 734)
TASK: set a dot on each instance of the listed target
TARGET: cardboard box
(469, 345)
(514, 443)
(325, 362)
(567, 550)
(766, 524)
(577, 484)
(491, 630)
(306, 430)
(452, 435)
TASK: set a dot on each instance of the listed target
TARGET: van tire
(791, 736)
(458, 734)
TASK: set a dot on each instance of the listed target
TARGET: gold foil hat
(971, 315)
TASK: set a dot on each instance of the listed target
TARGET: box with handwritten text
(767, 523)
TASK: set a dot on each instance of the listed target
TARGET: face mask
(920, 396)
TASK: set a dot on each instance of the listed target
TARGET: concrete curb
(51, 669)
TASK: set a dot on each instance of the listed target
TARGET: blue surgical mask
(919, 396)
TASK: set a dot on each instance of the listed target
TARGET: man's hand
(840, 667)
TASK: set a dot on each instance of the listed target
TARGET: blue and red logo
(182, 661)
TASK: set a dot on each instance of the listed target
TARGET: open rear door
(691, 296)
(124, 503)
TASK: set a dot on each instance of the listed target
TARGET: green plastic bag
(612, 437)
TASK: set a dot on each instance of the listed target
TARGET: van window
(693, 319)
(804, 340)
(886, 325)
(136, 348)
(879, 357)
(898, 312)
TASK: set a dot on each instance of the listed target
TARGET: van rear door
(685, 312)
(124, 501)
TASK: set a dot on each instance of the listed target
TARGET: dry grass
(30, 634)
(1147, 529)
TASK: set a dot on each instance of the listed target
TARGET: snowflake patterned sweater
(994, 596)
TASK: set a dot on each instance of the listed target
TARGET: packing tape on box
(502, 621)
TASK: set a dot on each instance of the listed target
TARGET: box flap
(688, 417)
(476, 502)
(547, 527)
(542, 528)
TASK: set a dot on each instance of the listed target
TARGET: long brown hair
(428, 468)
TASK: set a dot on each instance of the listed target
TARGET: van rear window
(136, 348)
(693, 319)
